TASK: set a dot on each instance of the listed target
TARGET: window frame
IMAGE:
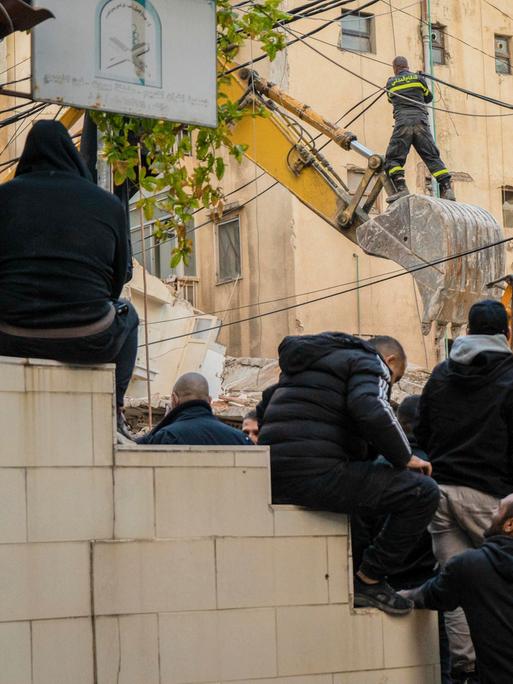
(371, 36)
(499, 58)
(441, 28)
(219, 224)
(505, 191)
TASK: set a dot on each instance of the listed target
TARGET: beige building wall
(166, 565)
(300, 253)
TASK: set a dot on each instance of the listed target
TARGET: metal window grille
(507, 207)
(438, 44)
(357, 32)
(228, 250)
(502, 55)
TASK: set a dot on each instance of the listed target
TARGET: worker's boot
(446, 191)
(401, 190)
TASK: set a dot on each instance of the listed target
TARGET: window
(507, 207)
(502, 58)
(357, 32)
(158, 254)
(438, 43)
(228, 250)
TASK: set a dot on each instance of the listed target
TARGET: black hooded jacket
(63, 241)
(466, 416)
(330, 405)
(481, 582)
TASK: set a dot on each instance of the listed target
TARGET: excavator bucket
(419, 229)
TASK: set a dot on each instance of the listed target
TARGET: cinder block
(338, 566)
(70, 504)
(268, 572)
(292, 521)
(318, 639)
(103, 429)
(217, 646)
(39, 581)
(63, 652)
(12, 375)
(46, 429)
(127, 649)
(134, 503)
(413, 640)
(151, 577)
(16, 655)
(61, 378)
(196, 502)
(13, 515)
(252, 457)
(411, 675)
(176, 456)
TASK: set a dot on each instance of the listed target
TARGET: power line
(410, 271)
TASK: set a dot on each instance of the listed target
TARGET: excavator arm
(414, 231)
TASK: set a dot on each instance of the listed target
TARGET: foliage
(185, 186)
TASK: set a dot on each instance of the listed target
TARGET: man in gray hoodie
(466, 428)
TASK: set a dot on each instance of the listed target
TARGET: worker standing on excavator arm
(412, 128)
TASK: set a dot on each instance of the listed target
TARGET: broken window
(228, 250)
(502, 56)
(438, 43)
(357, 32)
(507, 207)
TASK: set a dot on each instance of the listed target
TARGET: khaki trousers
(459, 524)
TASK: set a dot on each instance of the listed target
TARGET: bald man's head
(190, 387)
(399, 64)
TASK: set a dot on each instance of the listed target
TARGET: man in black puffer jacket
(326, 421)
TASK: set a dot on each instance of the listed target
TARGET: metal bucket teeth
(419, 229)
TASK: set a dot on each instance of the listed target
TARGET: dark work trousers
(407, 499)
(117, 344)
(418, 135)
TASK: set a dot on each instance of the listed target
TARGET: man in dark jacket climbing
(326, 421)
(481, 583)
(191, 420)
(466, 427)
(408, 93)
(63, 261)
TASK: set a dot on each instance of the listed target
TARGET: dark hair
(487, 317)
(409, 409)
(387, 345)
(400, 62)
(251, 415)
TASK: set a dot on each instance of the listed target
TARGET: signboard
(139, 57)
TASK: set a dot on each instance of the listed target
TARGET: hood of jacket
(477, 360)
(50, 148)
(297, 353)
(499, 551)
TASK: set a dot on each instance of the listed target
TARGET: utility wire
(410, 271)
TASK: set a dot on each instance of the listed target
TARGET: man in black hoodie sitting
(466, 428)
(326, 421)
(481, 583)
(63, 262)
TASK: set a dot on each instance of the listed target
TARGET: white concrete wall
(169, 565)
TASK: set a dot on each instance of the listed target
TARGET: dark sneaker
(397, 195)
(381, 596)
(123, 428)
(459, 677)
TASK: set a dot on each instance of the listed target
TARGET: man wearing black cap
(466, 427)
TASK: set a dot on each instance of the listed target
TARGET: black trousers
(117, 344)
(418, 135)
(408, 500)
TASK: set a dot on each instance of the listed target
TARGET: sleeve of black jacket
(367, 402)
(423, 426)
(122, 253)
(264, 402)
(428, 95)
(443, 591)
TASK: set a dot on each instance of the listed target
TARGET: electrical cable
(466, 91)
(379, 281)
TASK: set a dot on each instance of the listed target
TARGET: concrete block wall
(169, 565)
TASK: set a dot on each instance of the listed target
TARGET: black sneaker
(123, 428)
(382, 596)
